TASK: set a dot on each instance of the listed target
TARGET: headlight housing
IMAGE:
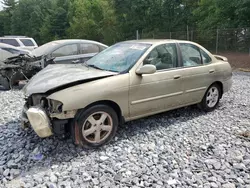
(55, 106)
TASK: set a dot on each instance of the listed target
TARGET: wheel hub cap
(212, 97)
(97, 127)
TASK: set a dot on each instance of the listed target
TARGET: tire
(211, 98)
(93, 131)
(14, 79)
(5, 83)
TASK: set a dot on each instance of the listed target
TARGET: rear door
(87, 51)
(66, 54)
(197, 71)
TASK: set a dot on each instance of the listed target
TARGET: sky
(1, 6)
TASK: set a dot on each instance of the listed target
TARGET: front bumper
(39, 121)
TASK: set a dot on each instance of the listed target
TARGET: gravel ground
(181, 148)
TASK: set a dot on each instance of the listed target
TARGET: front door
(154, 93)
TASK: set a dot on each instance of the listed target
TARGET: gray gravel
(181, 148)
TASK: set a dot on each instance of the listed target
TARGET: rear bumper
(227, 84)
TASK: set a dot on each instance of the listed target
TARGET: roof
(156, 41)
(69, 41)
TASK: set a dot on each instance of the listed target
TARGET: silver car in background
(68, 51)
(71, 51)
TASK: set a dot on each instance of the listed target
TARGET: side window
(102, 48)
(27, 42)
(67, 50)
(205, 57)
(12, 42)
(190, 55)
(88, 48)
(163, 57)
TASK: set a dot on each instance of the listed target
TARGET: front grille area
(28, 101)
(34, 100)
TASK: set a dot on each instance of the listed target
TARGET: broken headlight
(55, 106)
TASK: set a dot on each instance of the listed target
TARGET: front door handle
(211, 71)
(76, 61)
(177, 77)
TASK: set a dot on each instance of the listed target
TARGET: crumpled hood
(54, 76)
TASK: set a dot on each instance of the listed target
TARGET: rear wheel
(97, 125)
(211, 98)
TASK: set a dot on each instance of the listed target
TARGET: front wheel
(211, 98)
(97, 125)
(4, 81)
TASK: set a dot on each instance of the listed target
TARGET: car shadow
(40, 154)
(157, 121)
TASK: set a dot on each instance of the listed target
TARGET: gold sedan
(127, 81)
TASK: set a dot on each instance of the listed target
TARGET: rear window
(12, 42)
(27, 42)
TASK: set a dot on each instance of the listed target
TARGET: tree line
(109, 21)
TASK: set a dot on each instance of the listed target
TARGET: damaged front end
(19, 68)
(46, 116)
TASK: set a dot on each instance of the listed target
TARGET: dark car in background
(23, 67)
(69, 51)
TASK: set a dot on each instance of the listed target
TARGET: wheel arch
(220, 85)
(111, 104)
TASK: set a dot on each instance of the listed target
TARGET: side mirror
(146, 69)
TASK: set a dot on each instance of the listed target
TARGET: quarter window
(65, 51)
(27, 42)
(163, 57)
(12, 42)
(88, 48)
(190, 55)
(205, 57)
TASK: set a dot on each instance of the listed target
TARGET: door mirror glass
(146, 69)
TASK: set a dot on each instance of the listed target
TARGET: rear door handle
(211, 71)
(177, 77)
(76, 61)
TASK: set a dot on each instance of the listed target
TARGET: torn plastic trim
(64, 115)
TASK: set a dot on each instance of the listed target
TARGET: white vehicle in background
(20, 42)
(7, 51)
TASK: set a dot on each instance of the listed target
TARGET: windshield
(119, 57)
(41, 50)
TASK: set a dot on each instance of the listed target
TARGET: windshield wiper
(93, 66)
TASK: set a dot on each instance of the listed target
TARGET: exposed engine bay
(21, 67)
